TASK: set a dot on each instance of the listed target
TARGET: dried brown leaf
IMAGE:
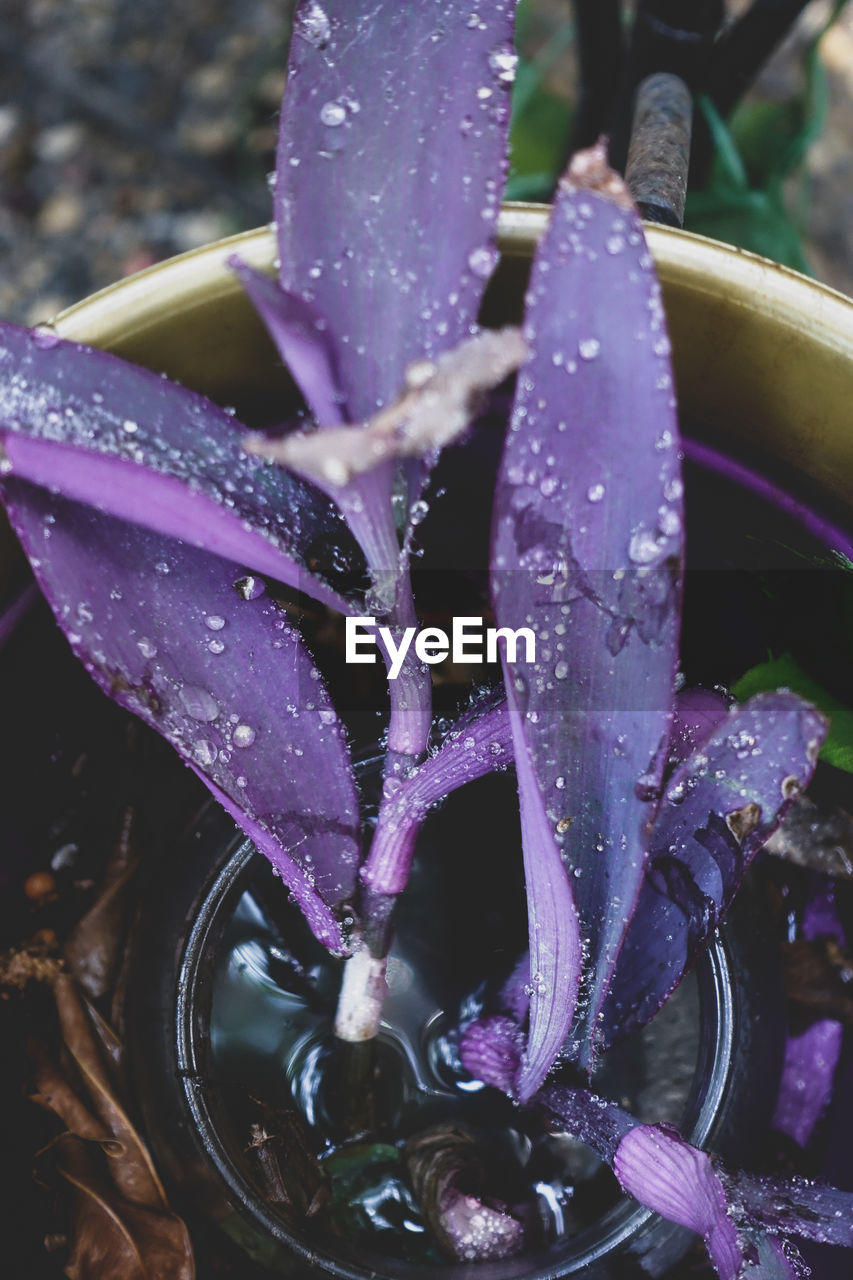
(132, 1170)
(440, 399)
(93, 949)
(111, 1238)
(54, 1093)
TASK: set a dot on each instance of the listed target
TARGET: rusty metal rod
(659, 150)
(667, 35)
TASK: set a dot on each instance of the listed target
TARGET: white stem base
(363, 993)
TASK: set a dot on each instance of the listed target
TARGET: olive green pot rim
(711, 265)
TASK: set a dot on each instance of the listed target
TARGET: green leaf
(786, 673)
(749, 199)
(541, 120)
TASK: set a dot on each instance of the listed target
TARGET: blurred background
(133, 131)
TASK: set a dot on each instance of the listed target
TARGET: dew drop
(214, 622)
(204, 752)
(669, 522)
(249, 587)
(243, 736)
(503, 62)
(198, 703)
(312, 24)
(332, 114)
(215, 646)
(614, 244)
(146, 647)
(595, 492)
(45, 337)
(482, 261)
(588, 348)
(561, 670)
(643, 547)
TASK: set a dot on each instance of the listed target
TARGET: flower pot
(198, 1001)
(751, 344)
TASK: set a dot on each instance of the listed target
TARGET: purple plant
(155, 522)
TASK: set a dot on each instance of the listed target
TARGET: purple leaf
(491, 1050)
(812, 1055)
(479, 743)
(797, 1206)
(393, 130)
(596, 1121)
(300, 334)
(227, 680)
(811, 1060)
(553, 925)
(663, 1172)
(658, 1168)
(716, 813)
(587, 550)
(175, 466)
(696, 715)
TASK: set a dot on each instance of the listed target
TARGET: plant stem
(362, 996)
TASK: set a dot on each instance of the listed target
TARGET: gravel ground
(128, 133)
(133, 131)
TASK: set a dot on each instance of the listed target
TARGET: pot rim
(761, 284)
(718, 1019)
(752, 340)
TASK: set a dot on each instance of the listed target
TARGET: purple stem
(16, 610)
(817, 525)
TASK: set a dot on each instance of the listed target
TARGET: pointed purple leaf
(696, 715)
(553, 927)
(393, 136)
(176, 465)
(163, 630)
(797, 1206)
(717, 812)
(587, 549)
(808, 1072)
(812, 1055)
(301, 335)
(479, 743)
(594, 1120)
